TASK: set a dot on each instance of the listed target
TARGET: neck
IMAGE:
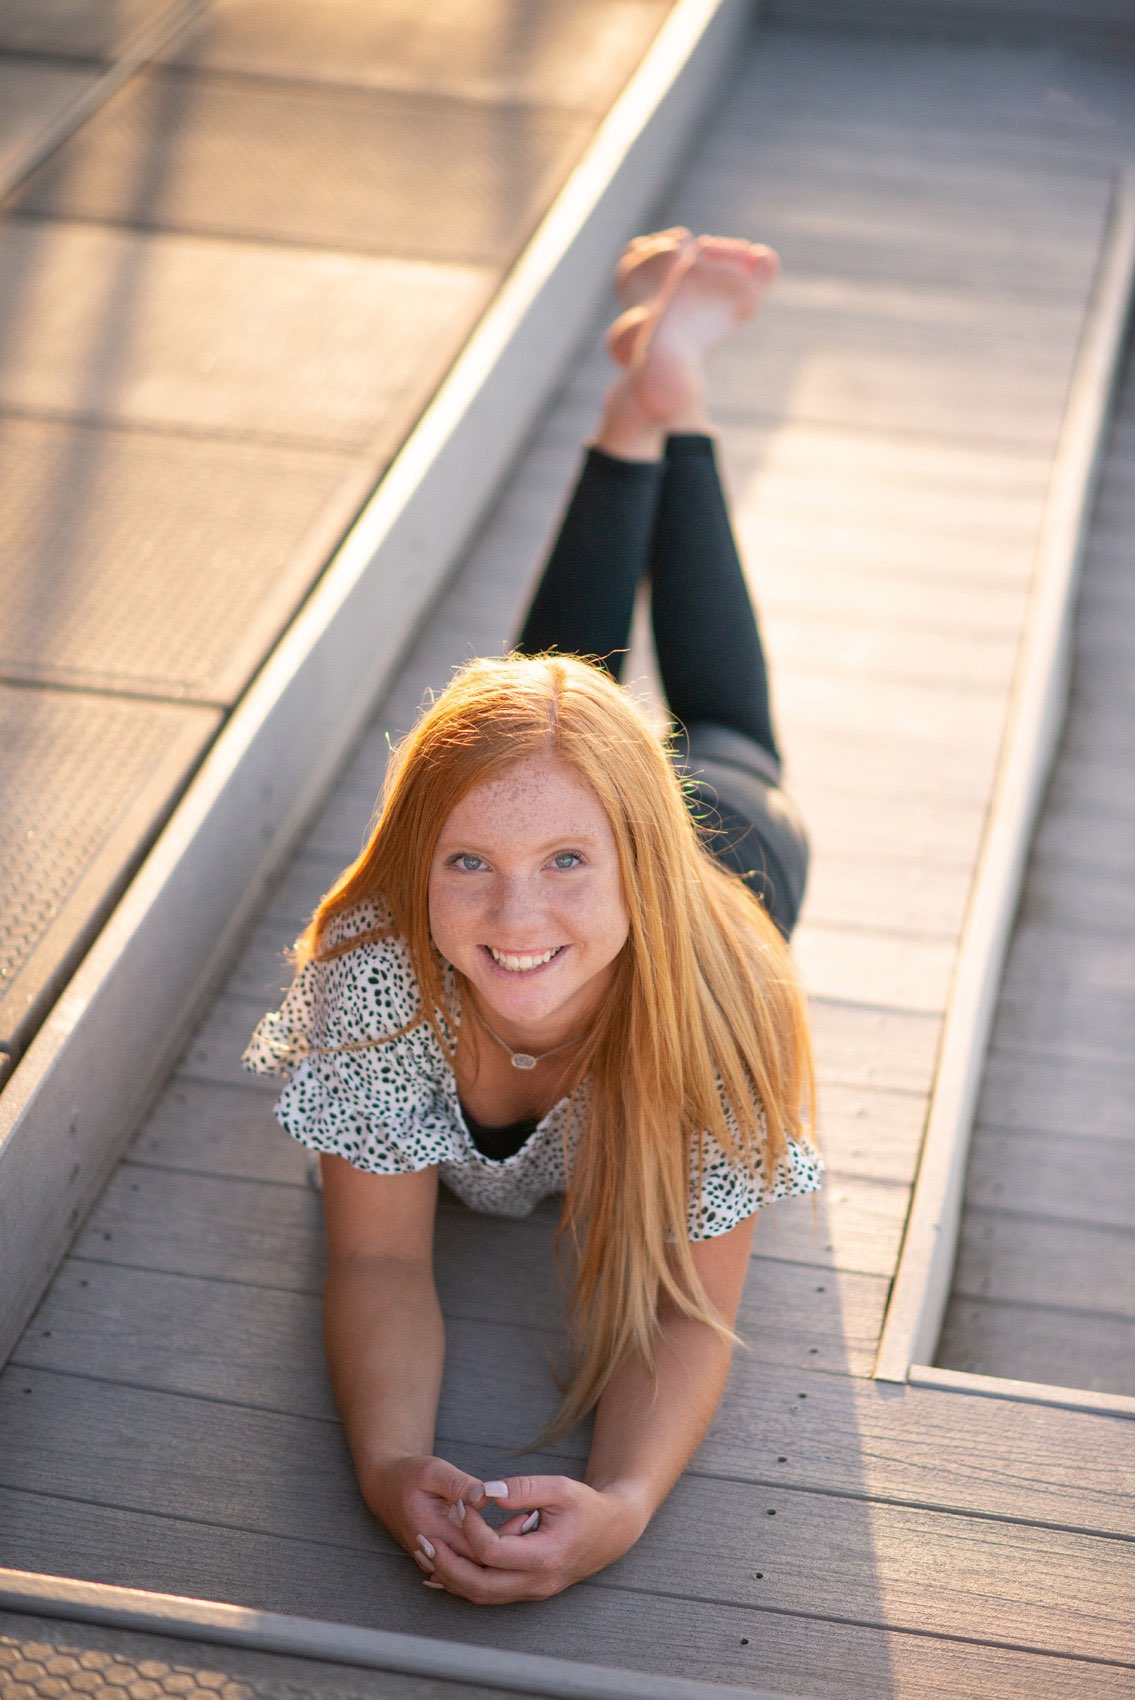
(537, 1040)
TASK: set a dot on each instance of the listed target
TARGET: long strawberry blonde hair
(704, 1011)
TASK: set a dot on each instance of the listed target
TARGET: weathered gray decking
(888, 426)
(1044, 1288)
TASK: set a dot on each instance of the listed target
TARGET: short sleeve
(352, 1090)
(729, 1192)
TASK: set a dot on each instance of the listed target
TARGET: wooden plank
(1058, 885)
(911, 654)
(679, 1635)
(821, 201)
(837, 1554)
(1059, 1094)
(986, 1456)
(925, 715)
(1059, 1263)
(823, 757)
(295, 895)
(219, 1130)
(271, 1235)
(896, 970)
(860, 1046)
(1039, 1175)
(909, 895)
(214, 1052)
(1094, 842)
(872, 1133)
(261, 1347)
(1066, 1023)
(846, 816)
(990, 98)
(776, 1424)
(1039, 1343)
(1052, 955)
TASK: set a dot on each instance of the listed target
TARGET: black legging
(670, 518)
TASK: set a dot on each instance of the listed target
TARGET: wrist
(630, 1502)
(380, 1474)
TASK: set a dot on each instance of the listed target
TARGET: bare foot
(712, 285)
(645, 262)
(642, 272)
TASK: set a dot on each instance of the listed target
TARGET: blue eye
(467, 863)
(567, 859)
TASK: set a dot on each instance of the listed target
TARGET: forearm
(647, 1427)
(385, 1344)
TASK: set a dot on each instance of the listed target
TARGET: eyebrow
(562, 841)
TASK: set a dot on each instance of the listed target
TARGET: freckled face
(526, 900)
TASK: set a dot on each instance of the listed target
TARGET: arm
(385, 1344)
(647, 1428)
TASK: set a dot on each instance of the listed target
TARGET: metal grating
(228, 337)
(572, 53)
(330, 167)
(33, 95)
(141, 562)
(79, 29)
(45, 1660)
(87, 781)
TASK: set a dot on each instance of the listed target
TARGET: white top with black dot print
(393, 1108)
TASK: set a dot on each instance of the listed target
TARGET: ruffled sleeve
(723, 1192)
(352, 1090)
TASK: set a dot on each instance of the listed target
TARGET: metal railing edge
(374, 1649)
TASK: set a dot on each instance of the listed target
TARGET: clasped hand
(435, 1510)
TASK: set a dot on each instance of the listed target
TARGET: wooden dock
(1044, 1288)
(888, 429)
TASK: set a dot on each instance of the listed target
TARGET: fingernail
(531, 1522)
(497, 1490)
(429, 1583)
(426, 1563)
(457, 1513)
(427, 1547)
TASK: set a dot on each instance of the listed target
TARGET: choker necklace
(525, 1059)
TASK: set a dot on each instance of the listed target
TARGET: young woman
(560, 965)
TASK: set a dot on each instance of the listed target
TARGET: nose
(516, 910)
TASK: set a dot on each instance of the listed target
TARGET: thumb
(448, 1482)
(534, 1492)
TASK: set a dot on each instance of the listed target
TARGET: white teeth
(521, 964)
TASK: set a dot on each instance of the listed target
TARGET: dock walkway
(888, 426)
(1044, 1287)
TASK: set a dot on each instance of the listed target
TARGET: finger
(486, 1545)
(436, 1528)
(448, 1482)
(514, 1525)
(487, 1587)
(531, 1492)
(508, 1548)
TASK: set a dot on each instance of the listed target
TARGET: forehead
(539, 795)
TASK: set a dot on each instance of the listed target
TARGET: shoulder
(359, 988)
(363, 975)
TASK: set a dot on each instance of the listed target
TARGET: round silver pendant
(521, 1059)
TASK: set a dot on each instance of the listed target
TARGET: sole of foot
(646, 262)
(712, 286)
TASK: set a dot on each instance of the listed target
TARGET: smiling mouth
(523, 964)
